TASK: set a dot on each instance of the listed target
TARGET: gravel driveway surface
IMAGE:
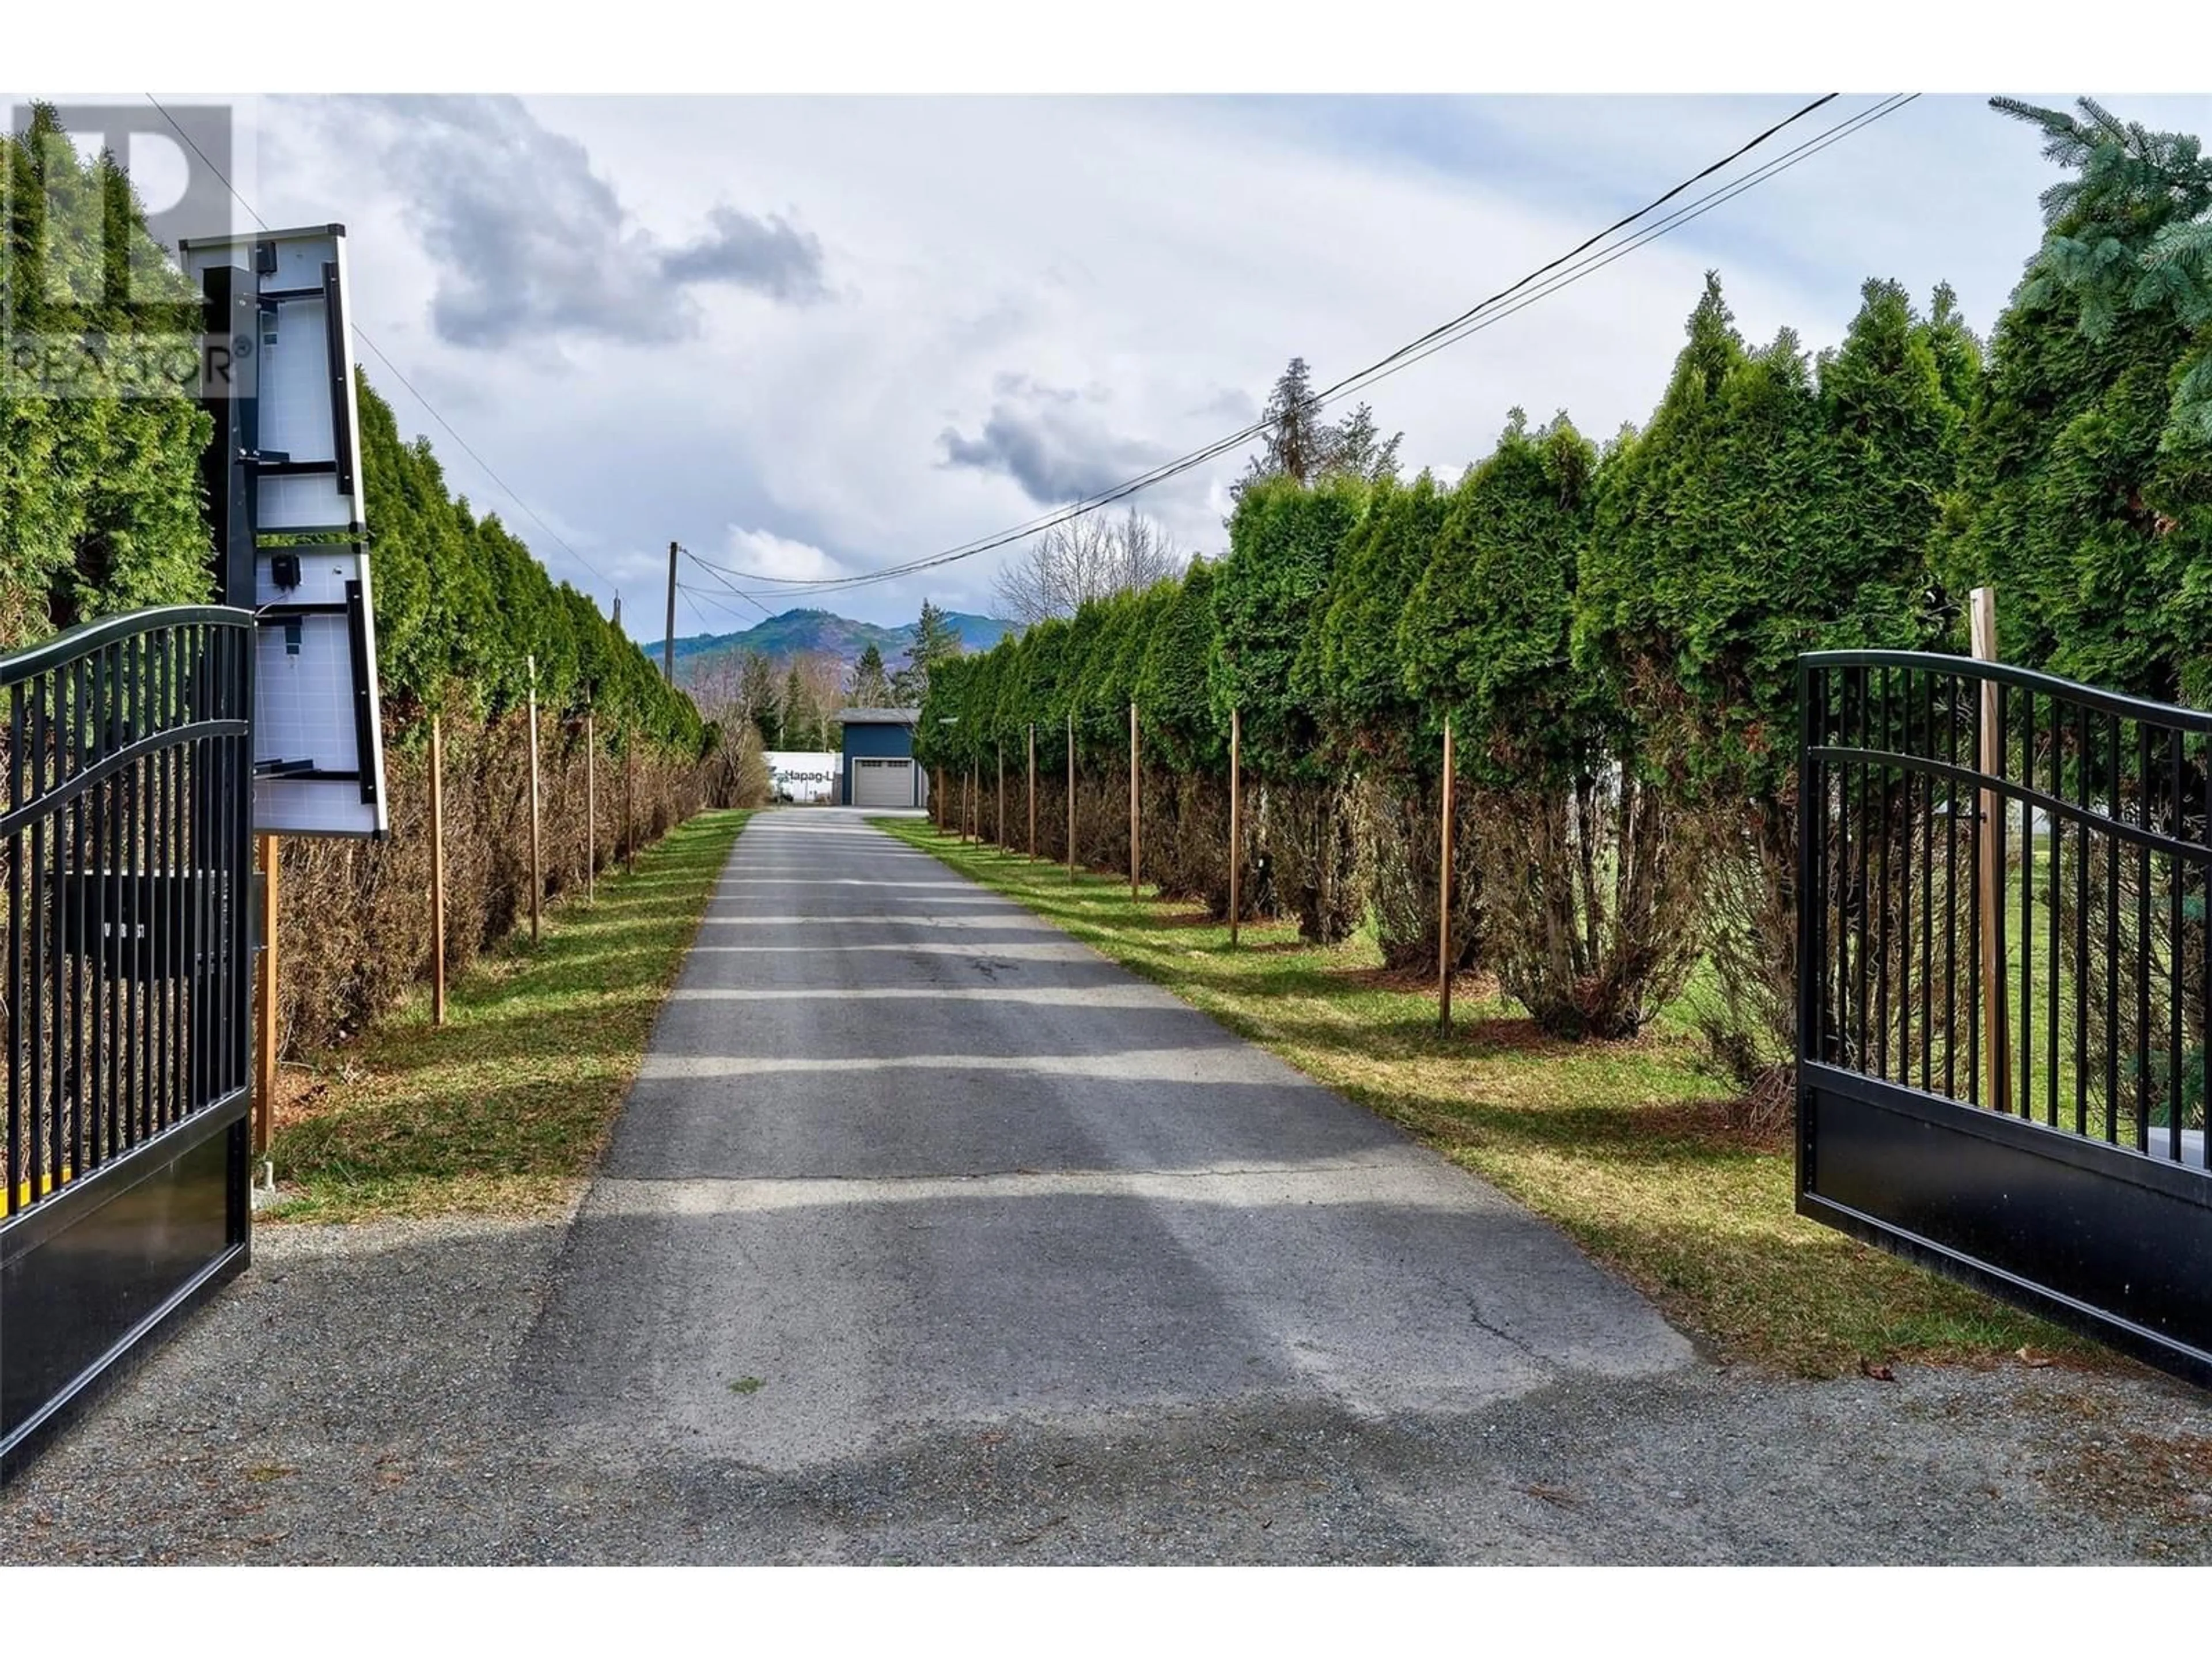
(928, 1235)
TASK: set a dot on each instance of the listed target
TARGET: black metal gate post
(2059, 1158)
(125, 872)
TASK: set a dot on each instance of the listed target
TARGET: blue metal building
(878, 766)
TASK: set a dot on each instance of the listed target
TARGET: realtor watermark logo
(93, 301)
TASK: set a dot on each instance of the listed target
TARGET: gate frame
(2043, 1218)
(124, 1226)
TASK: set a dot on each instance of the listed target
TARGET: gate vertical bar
(2082, 965)
(2143, 947)
(1812, 904)
(2177, 987)
(2028, 908)
(18, 792)
(1990, 861)
(2112, 944)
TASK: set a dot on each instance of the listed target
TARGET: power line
(1673, 222)
(697, 615)
(428, 407)
(724, 582)
(723, 604)
(1374, 371)
(1468, 322)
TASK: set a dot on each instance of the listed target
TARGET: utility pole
(668, 643)
(1032, 792)
(1070, 796)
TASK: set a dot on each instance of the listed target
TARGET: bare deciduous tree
(1087, 558)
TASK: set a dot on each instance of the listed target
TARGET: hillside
(805, 633)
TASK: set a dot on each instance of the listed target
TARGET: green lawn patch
(504, 1108)
(1627, 1146)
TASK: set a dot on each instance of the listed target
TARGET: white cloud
(763, 553)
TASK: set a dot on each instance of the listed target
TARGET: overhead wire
(724, 604)
(1472, 320)
(725, 583)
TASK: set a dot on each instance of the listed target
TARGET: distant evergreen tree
(798, 726)
(935, 640)
(868, 686)
(1298, 445)
(1294, 445)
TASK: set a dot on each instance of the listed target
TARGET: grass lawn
(505, 1109)
(1626, 1145)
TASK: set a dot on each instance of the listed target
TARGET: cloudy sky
(809, 337)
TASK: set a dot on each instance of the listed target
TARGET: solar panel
(283, 373)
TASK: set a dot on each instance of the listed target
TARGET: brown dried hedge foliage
(354, 917)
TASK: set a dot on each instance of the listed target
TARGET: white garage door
(882, 782)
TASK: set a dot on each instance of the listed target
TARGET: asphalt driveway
(928, 1235)
(912, 1160)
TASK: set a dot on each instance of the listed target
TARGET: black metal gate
(2004, 993)
(125, 837)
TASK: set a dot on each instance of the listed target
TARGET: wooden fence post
(1444, 896)
(1236, 824)
(630, 804)
(264, 1012)
(1136, 846)
(591, 811)
(537, 853)
(437, 871)
(1989, 851)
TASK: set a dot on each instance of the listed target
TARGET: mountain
(806, 633)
